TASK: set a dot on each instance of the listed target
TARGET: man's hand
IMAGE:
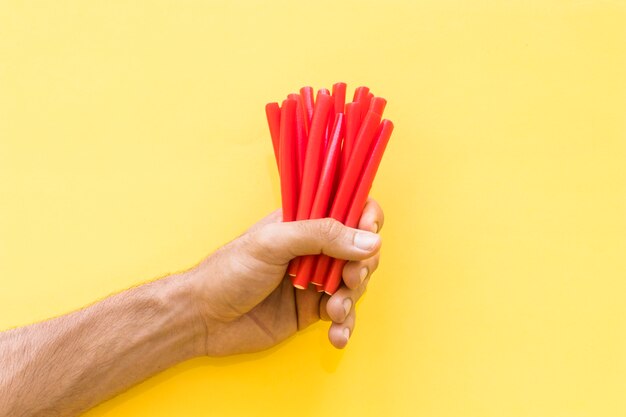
(247, 303)
(237, 300)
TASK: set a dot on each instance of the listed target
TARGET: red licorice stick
(287, 160)
(272, 111)
(353, 121)
(366, 102)
(313, 158)
(301, 137)
(307, 122)
(339, 97)
(312, 163)
(307, 99)
(353, 171)
(360, 198)
(321, 267)
(377, 105)
(350, 177)
(322, 196)
(302, 131)
(339, 101)
(360, 95)
(330, 119)
(292, 269)
(339, 106)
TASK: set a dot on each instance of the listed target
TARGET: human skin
(237, 300)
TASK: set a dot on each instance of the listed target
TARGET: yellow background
(133, 142)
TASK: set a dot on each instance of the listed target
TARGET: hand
(247, 303)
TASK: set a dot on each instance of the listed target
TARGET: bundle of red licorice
(327, 153)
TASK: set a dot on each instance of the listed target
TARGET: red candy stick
(287, 160)
(313, 159)
(366, 102)
(339, 97)
(292, 269)
(377, 105)
(330, 119)
(353, 121)
(339, 101)
(307, 100)
(272, 111)
(304, 113)
(360, 95)
(317, 281)
(360, 198)
(321, 268)
(322, 196)
(307, 122)
(357, 159)
(349, 179)
(339, 106)
(301, 137)
(312, 163)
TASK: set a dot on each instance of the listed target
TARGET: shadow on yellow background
(133, 142)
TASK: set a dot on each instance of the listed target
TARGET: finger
(281, 242)
(373, 217)
(342, 302)
(356, 272)
(339, 333)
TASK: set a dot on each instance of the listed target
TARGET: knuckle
(263, 238)
(266, 244)
(330, 229)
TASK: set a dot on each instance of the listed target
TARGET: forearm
(66, 365)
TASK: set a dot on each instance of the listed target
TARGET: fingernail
(365, 240)
(346, 333)
(363, 274)
(347, 305)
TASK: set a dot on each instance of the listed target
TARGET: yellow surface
(133, 142)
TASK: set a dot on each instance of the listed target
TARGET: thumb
(286, 240)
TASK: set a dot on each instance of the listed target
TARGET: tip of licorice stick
(291, 274)
(300, 287)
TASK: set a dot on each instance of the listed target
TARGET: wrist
(184, 302)
(207, 302)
